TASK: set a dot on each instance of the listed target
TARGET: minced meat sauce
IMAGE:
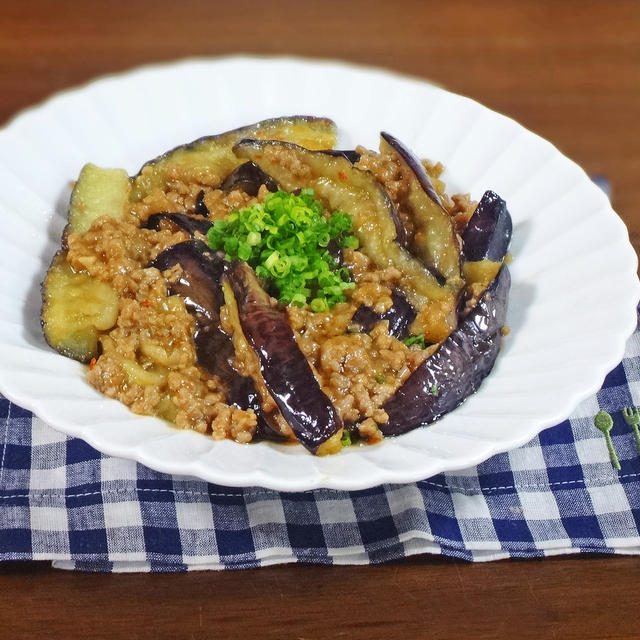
(148, 360)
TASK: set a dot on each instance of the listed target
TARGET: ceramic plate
(572, 302)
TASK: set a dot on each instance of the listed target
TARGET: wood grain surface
(570, 71)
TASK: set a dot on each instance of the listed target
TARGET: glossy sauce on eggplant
(173, 328)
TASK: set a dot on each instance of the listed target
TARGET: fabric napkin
(61, 500)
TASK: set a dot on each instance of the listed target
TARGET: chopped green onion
(419, 340)
(244, 251)
(319, 304)
(346, 439)
(380, 379)
(253, 238)
(350, 242)
(286, 239)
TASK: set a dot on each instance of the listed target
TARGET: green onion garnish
(286, 240)
(419, 340)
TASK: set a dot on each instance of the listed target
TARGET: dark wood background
(568, 70)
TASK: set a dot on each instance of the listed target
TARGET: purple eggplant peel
(434, 239)
(182, 220)
(248, 177)
(400, 316)
(456, 369)
(200, 208)
(284, 368)
(488, 232)
(199, 285)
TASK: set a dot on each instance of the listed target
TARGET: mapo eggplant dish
(259, 284)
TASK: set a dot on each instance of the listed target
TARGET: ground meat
(181, 198)
(368, 429)
(115, 252)
(357, 371)
(373, 295)
(387, 169)
(289, 160)
(363, 269)
(148, 359)
(221, 204)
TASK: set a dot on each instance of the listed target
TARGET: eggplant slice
(488, 232)
(285, 370)
(434, 239)
(456, 369)
(98, 192)
(76, 310)
(485, 241)
(209, 160)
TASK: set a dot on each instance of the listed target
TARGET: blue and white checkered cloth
(61, 500)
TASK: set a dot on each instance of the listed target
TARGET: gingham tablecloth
(61, 500)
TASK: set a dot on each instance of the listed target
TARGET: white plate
(572, 302)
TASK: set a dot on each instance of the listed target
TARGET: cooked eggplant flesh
(98, 192)
(76, 310)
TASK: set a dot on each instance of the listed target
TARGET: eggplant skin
(285, 370)
(434, 241)
(488, 232)
(249, 177)
(200, 208)
(182, 220)
(199, 286)
(400, 316)
(199, 283)
(349, 154)
(456, 369)
(414, 164)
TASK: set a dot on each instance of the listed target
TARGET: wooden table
(568, 70)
